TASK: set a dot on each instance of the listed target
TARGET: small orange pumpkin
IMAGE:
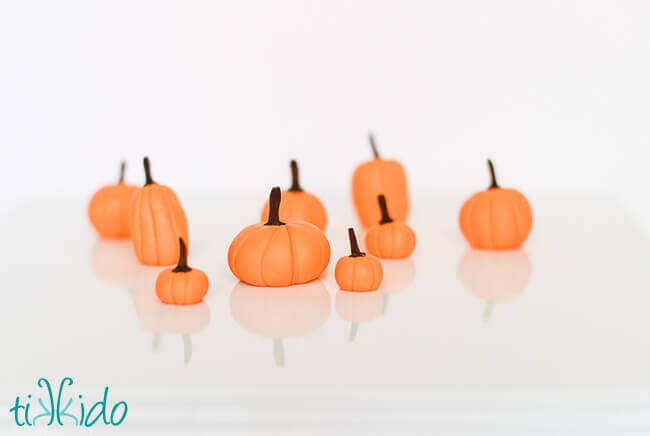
(108, 208)
(358, 272)
(157, 221)
(496, 219)
(379, 176)
(298, 204)
(182, 285)
(277, 253)
(390, 239)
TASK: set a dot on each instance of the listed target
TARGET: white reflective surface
(552, 336)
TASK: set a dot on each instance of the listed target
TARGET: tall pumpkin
(379, 176)
(157, 221)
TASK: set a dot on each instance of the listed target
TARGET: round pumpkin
(157, 221)
(358, 272)
(358, 308)
(379, 176)
(497, 218)
(182, 285)
(108, 209)
(159, 318)
(281, 312)
(277, 253)
(298, 204)
(389, 239)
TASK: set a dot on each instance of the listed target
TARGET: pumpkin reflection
(159, 318)
(495, 276)
(358, 308)
(280, 312)
(398, 277)
(114, 261)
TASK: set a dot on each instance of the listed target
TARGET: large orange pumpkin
(157, 221)
(358, 272)
(496, 219)
(108, 209)
(277, 253)
(182, 285)
(389, 239)
(379, 176)
(298, 204)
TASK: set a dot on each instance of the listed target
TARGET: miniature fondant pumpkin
(108, 209)
(298, 204)
(159, 318)
(389, 239)
(277, 253)
(358, 271)
(157, 221)
(496, 219)
(182, 285)
(282, 312)
(379, 176)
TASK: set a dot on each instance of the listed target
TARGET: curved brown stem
(371, 138)
(122, 170)
(182, 258)
(354, 245)
(385, 217)
(494, 184)
(147, 171)
(295, 183)
(274, 208)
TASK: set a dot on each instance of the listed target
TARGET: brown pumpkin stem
(274, 208)
(122, 170)
(147, 171)
(295, 183)
(385, 217)
(494, 184)
(182, 258)
(371, 138)
(354, 245)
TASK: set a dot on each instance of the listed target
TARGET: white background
(222, 94)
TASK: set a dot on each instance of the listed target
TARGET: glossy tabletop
(552, 336)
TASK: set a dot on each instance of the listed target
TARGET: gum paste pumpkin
(157, 221)
(276, 253)
(497, 218)
(358, 272)
(182, 285)
(389, 239)
(108, 209)
(379, 176)
(298, 204)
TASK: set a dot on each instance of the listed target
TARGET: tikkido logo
(56, 411)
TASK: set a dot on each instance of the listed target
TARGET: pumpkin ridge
(293, 257)
(141, 219)
(266, 247)
(172, 216)
(491, 220)
(515, 215)
(236, 250)
(155, 229)
(468, 220)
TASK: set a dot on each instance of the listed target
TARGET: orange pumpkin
(358, 272)
(159, 318)
(298, 204)
(496, 219)
(390, 239)
(108, 209)
(379, 176)
(277, 253)
(157, 221)
(182, 285)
